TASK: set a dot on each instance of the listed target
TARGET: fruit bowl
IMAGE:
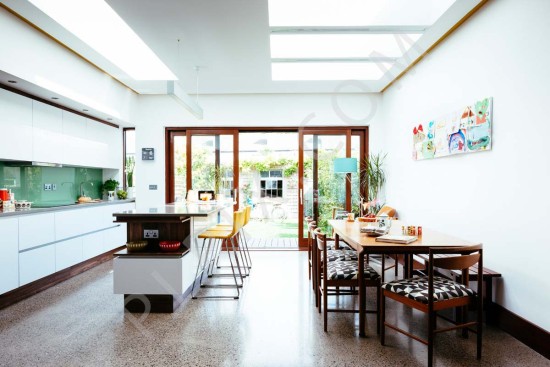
(169, 246)
(136, 246)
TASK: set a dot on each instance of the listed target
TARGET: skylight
(328, 70)
(99, 26)
(340, 45)
(327, 13)
(342, 40)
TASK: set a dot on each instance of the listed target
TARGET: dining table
(350, 232)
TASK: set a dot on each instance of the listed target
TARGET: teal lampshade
(345, 165)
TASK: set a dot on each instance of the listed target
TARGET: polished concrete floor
(81, 323)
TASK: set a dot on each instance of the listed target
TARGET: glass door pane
(212, 163)
(180, 167)
(268, 176)
(324, 191)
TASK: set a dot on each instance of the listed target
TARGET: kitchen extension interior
(274, 183)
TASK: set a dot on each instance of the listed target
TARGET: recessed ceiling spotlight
(85, 110)
(12, 81)
(55, 98)
(109, 119)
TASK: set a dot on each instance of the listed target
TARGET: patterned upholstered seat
(341, 245)
(349, 270)
(341, 255)
(417, 289)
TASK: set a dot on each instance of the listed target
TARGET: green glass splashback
(27, 183)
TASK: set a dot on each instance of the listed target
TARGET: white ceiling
(228, 40)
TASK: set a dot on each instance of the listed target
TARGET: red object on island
(169, 246)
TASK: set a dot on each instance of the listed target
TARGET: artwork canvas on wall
(464, 131)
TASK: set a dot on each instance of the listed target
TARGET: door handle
(301, 197)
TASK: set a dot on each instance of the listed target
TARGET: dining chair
(310, 264)
(341, 272)
(432, 293)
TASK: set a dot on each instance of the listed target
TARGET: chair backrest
(238, 221)
(247, 210)
(466, 256)
(321, 239)
(388, 210)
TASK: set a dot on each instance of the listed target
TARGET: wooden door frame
(348, 131)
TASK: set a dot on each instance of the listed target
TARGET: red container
(169, 246)
(4, 195)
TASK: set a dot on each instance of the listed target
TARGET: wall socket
(47, 187)
(150, 233)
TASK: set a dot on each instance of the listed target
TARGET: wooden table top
(351, 233)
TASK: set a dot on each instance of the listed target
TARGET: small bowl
(136, 246)
(169, 246)
(23, 204)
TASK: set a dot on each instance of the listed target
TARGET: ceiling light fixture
(12, 81)
(99, 26)
(85, 110)
(55, 97)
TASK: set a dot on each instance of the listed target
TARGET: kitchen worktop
(4, 214)
(199, 209)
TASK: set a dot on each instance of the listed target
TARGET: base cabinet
(68, 253)
(35, 264)
(9, 255)
(35, 245)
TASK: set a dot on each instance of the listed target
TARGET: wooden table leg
(336, 241)
(362, 295)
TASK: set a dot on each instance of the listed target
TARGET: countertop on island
(199, 209)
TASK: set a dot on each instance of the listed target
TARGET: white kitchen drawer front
(115, 237)
(68, 253)
(36, 230)
(35, 264)
(9, 255)
(76, 222)
(93, 245)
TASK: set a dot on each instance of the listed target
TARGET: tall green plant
(373, 178)
(130, 164)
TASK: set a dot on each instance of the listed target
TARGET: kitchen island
(152, 280)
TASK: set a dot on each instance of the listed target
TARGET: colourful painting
(464, 131)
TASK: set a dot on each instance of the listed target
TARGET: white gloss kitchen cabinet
(9, 254)
(15, 119)
(47, 133)
(35, 245)
(57, 136)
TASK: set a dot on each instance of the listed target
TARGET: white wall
(154, 113)
(498, 197)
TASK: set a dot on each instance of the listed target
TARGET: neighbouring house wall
(154, 113)
(499, 197)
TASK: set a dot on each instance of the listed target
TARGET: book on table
(393, 238)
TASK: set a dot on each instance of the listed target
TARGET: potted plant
(129, 169)
(373, 178)
(109, 187)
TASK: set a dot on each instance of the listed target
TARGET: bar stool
(220, 236)
(243, 245)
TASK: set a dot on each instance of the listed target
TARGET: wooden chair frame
(466, 257)
(324, 284)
